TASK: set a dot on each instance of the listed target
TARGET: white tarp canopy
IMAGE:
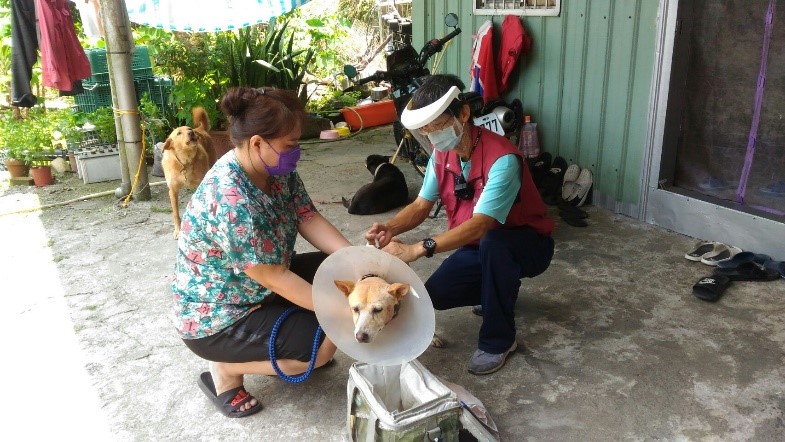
(206, 15)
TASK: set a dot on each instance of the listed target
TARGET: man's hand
(378, 235)
(405, 252)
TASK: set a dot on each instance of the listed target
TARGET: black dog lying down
(387, 191)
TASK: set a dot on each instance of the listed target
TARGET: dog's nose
(361, 337)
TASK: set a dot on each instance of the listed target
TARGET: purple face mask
(287, 161)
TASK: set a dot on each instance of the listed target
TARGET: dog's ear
(167, 144)
(345, 286)
(398, 290)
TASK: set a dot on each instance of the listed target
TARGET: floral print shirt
(229, 226)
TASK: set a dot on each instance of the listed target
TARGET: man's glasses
(463, 191)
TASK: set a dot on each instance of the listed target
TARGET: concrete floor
(613, 344)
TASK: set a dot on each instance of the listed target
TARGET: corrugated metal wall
(586, 83)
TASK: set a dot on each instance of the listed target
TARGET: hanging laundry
(482, 71)
(63, 61)
(24, 52)
(91, 24)
(515, 43)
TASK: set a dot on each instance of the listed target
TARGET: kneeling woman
(236, 268)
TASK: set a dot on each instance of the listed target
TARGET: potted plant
(41, 166)
(13, 142)
(21, 138)
(40, 126)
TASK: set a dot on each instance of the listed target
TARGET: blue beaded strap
(274, 361)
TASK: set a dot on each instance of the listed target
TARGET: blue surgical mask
(445, 139)
(287, 161)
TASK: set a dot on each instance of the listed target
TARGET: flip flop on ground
(710, 288)
(743, 257)
(703, 248)
(712, 259)
(230, 402)
(749, 271)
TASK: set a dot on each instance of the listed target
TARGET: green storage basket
(141, 66)
(96, 95)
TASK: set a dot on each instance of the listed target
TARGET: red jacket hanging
(482, 71)
(515, 43)
(63, 60)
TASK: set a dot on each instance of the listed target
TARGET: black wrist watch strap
(430, 247)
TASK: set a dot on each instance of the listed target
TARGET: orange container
(374, 114)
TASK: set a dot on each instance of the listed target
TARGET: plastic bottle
(528, 142)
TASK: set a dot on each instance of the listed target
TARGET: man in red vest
(497, 223)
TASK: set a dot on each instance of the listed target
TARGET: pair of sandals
(576, 186)
(711, 252)
(744, 266)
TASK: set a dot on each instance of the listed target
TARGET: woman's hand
(405, 252)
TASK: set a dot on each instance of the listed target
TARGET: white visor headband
(417, 118)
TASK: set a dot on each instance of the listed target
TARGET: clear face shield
(436, 129)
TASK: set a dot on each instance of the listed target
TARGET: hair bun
(236, 101)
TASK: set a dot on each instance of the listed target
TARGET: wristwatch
(430, 246)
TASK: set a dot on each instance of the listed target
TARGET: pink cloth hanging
(63, 60)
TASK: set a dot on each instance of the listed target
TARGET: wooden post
(119, 44)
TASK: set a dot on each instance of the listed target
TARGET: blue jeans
(490, 275)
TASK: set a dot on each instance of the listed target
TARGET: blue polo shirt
(498, 196)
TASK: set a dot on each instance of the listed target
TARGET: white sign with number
(490, 122)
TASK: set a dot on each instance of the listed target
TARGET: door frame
(680, 210)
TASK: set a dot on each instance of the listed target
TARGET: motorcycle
(406, 71)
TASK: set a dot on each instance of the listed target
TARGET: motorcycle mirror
(451, 20)
(350, 70)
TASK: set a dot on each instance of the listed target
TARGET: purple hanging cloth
(764, 62)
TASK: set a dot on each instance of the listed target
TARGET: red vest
(528, 210)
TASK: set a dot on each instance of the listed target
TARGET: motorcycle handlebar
(436, 45)
(376, 76)
(449, 36)
(427, 51)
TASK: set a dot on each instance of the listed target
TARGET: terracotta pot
(221, 142)
(42, 175)
(17, 168)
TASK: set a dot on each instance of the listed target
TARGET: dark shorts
(248, 339)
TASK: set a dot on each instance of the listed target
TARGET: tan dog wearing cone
(187, 156)
(374, 303)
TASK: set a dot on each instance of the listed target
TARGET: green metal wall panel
(586, 83)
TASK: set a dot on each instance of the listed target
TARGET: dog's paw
(176, 234)
(346, 203)
(438, 342)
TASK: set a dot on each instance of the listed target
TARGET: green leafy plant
(333, 102)
(103, 120)
(154, 125)
(27, 139)
(198, 64)
(189, 93)
(267, 58)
